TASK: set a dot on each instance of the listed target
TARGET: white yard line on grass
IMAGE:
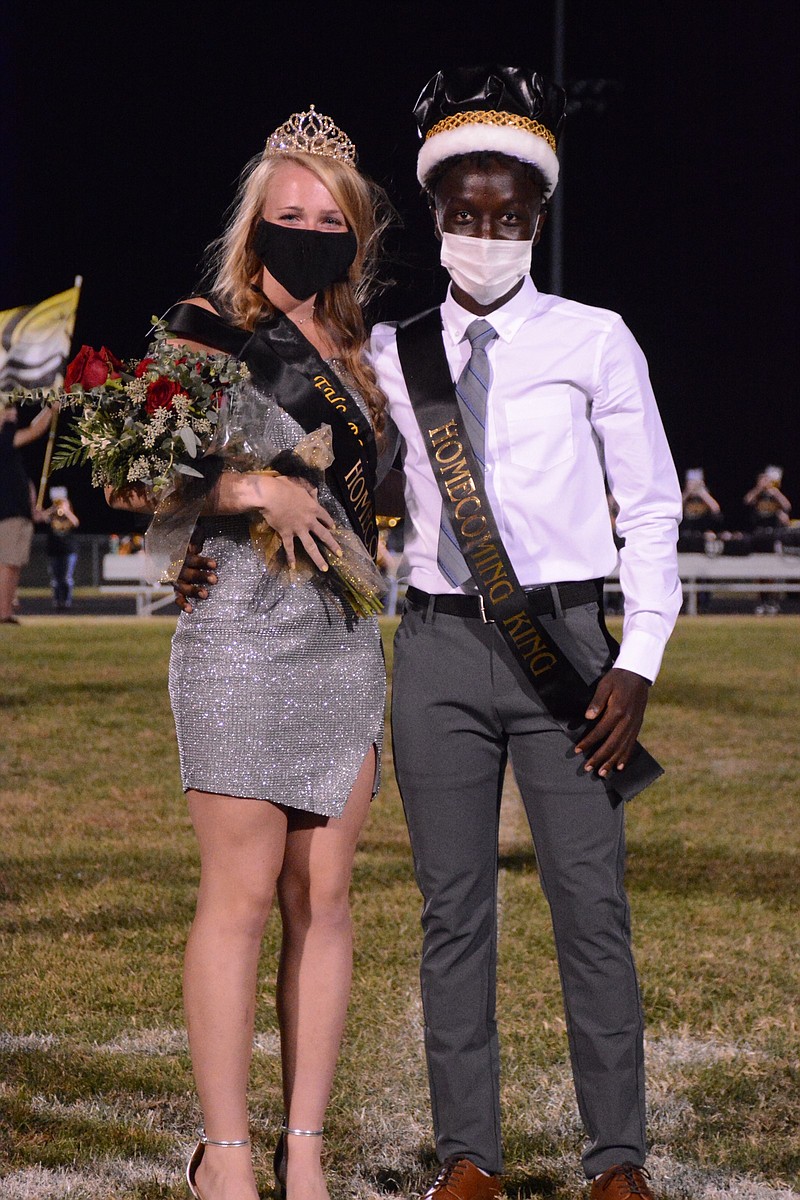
(106, 1180)
(151, 1042)
(10, 1042)
(685, 1182)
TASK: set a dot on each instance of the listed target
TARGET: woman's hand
(293, 511)
(291, 508)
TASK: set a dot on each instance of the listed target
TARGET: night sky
(122, 142)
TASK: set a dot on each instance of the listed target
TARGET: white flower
(138, 470)
(159, 421)
(137, 390)
(181, 403)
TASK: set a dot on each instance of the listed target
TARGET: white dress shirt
(570, 404)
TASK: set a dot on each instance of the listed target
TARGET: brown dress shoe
(620, 1182)
(460, 1179)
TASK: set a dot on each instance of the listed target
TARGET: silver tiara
(311, 133)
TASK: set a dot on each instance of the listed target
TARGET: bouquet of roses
(171, 422)
(144, 422)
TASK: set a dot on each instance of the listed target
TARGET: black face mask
(304, 261)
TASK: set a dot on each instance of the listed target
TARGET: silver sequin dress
(277, 689)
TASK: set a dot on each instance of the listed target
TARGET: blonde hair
(233, 264)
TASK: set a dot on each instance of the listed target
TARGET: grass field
(98, 870)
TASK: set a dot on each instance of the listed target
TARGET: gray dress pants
(459, 709)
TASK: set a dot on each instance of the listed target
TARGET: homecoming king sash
(544, 664)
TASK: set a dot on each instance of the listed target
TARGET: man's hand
(619, 701)
(197, 575)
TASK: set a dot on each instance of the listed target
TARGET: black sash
(544, 663)
(285, 364)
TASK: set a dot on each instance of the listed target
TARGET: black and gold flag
(35, 341)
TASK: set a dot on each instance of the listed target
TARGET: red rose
(143, 367)
(91, 368)
(160, 393)
(113, 363)
(73, 371)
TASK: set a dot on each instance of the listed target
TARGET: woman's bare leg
(242, 845)
(316, 970)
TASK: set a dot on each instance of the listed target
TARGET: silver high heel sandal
(279, 1161)
(197, 1158)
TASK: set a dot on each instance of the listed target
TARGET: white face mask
(485, 268)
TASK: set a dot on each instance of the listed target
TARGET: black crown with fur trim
(510, 110)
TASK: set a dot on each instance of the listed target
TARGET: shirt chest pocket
(539, 425)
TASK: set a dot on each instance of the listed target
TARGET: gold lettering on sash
(501, 590)
(487, 557)
(359, 496)
(357, 488)
(441, 457)
(474, 525)
(444, 431)
(493, 572)
(356, 484)
(460, 508)
(337, 401)
(480, 550)
(531, 647)
(457, 479)
(471, 522)
(485, 540)
(458, 489)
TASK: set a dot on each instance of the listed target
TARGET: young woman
(277, 689)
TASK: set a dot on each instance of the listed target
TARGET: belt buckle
(484, 618)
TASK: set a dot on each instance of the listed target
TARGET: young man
(502, 649)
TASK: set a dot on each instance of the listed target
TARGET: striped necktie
(472, 389)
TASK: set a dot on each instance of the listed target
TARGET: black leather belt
(540, 599)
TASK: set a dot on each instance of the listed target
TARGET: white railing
(126, 572)
(752, 573)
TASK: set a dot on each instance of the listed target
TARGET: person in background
(768, 511)
(702, 516)
(62, 546)
(768, 508)
(17, 502)
(700, 529)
